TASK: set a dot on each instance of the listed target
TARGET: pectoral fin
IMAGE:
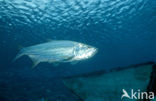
(56, 64)
(67, 59)
(74, 62)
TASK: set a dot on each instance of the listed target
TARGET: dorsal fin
(49, 40)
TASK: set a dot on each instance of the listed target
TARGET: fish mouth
(95, 50)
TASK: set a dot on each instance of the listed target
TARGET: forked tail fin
(18, 56)
(21, 53)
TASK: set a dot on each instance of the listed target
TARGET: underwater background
(124, 31)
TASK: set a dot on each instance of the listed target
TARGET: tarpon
(58, 51)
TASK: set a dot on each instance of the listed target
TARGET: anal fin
(35, 64)
(34, 60)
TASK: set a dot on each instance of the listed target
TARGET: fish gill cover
(122, 30)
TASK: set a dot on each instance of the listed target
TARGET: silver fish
(58, 51)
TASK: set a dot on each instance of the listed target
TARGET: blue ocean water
(124, 31)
